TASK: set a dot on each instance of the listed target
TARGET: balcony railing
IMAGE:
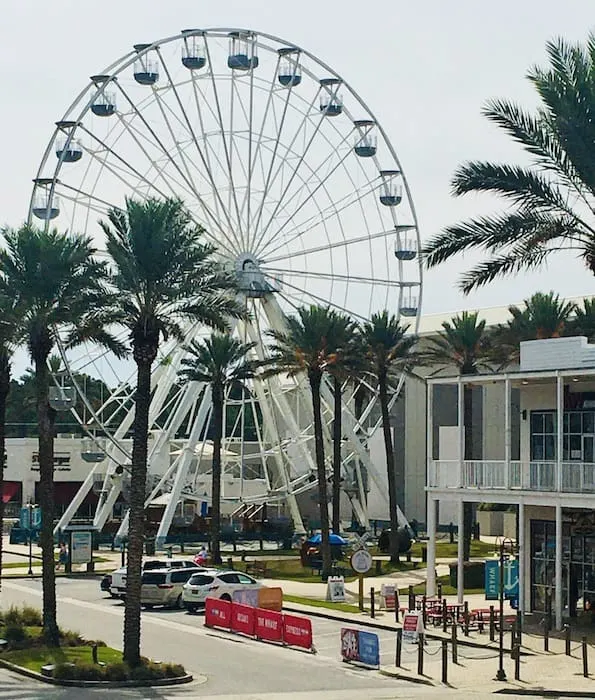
(575, 477)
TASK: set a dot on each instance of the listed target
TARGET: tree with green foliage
(390, 351)
(463, 343)
(551, 200)
(57, 286)
(221, 362)
(164, 275)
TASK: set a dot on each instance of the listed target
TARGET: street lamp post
(506, 542)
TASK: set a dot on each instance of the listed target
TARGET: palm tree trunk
(46, 418)
(337, 437)
(216, 475)
(4, 389)
(390, 469)
(325, 547)
(136, 511)
(467, 455)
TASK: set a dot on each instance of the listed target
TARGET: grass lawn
(36, 657)
(340, 607)
(446, 549)
(447, 589)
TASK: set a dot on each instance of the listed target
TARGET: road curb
(543, 693)
(188, 678)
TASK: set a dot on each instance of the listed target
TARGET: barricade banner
(359, 646)
(242, 618)
(268, 625)
(248, 596)
(270, 598)
(218, 613)
(297, 631)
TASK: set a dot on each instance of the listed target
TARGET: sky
(424, 69)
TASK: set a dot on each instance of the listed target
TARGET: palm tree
(551, 201)
(463, 343)
(58, 287)
(583, 322)
(10, 336)
(542, 316)
(389, 352)
(164, 274)
(308, 347)
(222, 362)
(345, 338)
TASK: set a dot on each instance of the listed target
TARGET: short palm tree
(10, 337)
(57, 286)
(583, 321)
(307, 346)
(222, 362)
(541, 316)
(551, 200)
(164, 274)
(389, 352)
(463, 343)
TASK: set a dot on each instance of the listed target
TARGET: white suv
(216, 584)
(164, 586)
(118, 581)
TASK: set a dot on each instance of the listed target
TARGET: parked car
(164, 586)
(218, 584)
(118, 581)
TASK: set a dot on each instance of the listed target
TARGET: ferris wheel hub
(251, 280)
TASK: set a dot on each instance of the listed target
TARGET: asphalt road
(226, 666)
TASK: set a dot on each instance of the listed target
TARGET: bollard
(411, 603)
(444, 661)
(585, 660)
(372, 604)
(439, 590)
(492, 624)
(546, 635)
(466, 618)
(94, 653)
(513, 635)
(424, 611)
(519, 627)
(420, 655)
(399, 649)
(517, 662)
(397, 604)
(444, 616)
(567, 640)
(229, 563)
(455, 656)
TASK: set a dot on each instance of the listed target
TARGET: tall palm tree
(389, 352)
(164, 274)
(347, 364)
(550, 202)
(58, 286)
(307, 346)
(220, 361)
(10, 337)
(463, 343)
(541, 316)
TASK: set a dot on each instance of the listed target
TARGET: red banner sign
(243, 618)
(268, 625)
(297, 631)
(217, 613)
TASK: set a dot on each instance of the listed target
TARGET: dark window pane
(565, 423)
(549, 424)
(588, 422)
(550, 447)
(200, 580)
(536, 422)
(575, 422)
(565, 450)
(536, 447)
(153, 577)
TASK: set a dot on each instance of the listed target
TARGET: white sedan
(215, 584)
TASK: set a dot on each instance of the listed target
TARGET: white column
(460, 567)
(431, 533)
(559, 432)
(522, 557)
(507, 433)
(461, 431)
(430, 435)
(558, 570)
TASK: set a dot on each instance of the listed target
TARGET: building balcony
(548, 476)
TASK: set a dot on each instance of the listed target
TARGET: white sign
(413, 626)
(388, 596)
(81, 549)
(335, 589)
(361, 561)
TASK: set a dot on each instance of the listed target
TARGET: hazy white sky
(424, 68)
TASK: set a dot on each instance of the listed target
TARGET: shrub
(79, 672)
(13, 617)
(117, 672)
(15, 635)
(174, 670)
(71, 639)
(31, 617)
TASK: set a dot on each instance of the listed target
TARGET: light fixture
(524, 414)
(575, 379)
(525, 381)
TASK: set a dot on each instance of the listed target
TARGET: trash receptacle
(150, 546)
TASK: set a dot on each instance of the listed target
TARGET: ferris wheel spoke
(203, 156)
(315, 297)
(271, 178)
(222, 131)
(330, 276)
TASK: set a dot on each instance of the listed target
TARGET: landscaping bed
(76, 659)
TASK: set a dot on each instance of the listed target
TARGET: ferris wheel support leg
(76, 502)
(183, 466)
(105, 511)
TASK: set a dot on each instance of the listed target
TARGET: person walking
(62, 556)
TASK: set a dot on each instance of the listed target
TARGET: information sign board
(81, 547)
(335, 589)
(412, 627)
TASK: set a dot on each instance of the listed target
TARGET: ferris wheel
(297, 185)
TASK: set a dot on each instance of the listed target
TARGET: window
(230, 578)
(181, 576)
(153, 577)
(200, 580)
(543, 436)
